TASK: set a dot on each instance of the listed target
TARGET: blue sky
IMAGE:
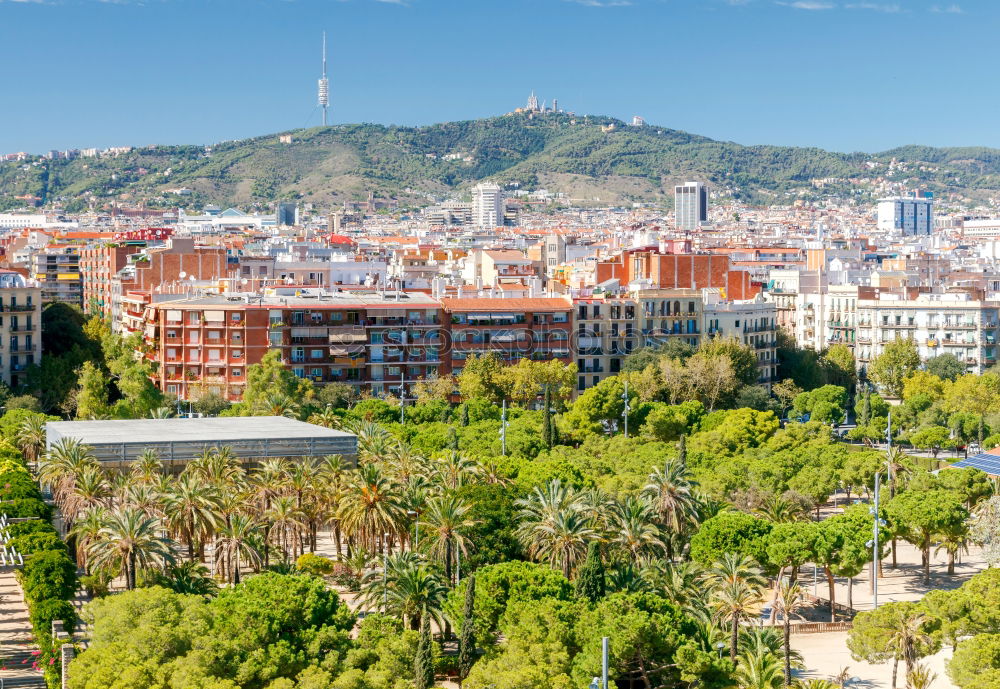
(839, 74)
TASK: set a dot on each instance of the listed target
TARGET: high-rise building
(690, 205)
(909, 216)
(287, 214)
(487, 205)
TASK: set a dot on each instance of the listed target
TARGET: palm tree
(235, 543)
(737, 584)
(443, 523)
(286, 525)
(454, 470)
(954, 540)
(129, 541)
(788, 602)
(30, 437)
(147, 466)
(908, 635)
(188, 577)
(920, 677)
(632, 529)
(374, 441)
(562, 539)
(758, 670)
(61, 465)
(817, 684)
(682, 583)
(414, 592)
(780, 510)
(671, 490)
(278, 404)
(161, 413)
(326, 417)
(371, 507)
(86, 530)
(191, 508)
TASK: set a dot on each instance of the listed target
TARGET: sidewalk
(16, 644)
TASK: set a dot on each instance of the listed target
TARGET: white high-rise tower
(324, 85)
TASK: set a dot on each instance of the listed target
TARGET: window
(560, 317)
(214, 335)
(237, 353)
(237, 372)
(214, 354)
(316, 354)
(299, 372)
(393, 370)
(236, 317)
(317, 373)
(171, 353)
(298, 354)
(738, 325)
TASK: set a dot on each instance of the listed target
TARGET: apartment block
(957, 323)
(754, 324)
(99, 264)
(678, 271)
(56, 268)
(379, 343)
(536, 328)
(20, 327)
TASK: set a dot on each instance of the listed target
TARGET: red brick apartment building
(678, 271)
(381, 343)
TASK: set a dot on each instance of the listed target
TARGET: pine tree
(423, 663)
(547, 419)
(467, 641)
(682, 451)
(590, 583)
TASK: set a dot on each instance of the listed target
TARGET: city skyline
(793, 73)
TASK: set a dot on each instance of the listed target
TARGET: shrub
(43, 612)
(31, 526)
(29, 544)
(26, 507)
(317, 565)
(48, 574)
(96, 585)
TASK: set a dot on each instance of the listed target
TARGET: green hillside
(592, 158)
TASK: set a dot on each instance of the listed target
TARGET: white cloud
(888, 8)
(811, 5)
(947, 9)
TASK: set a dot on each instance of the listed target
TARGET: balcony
(347, 334)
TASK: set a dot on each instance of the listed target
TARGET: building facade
(20, 327)
(57, 271)
(909, 216)
(690, 205)
(487, 205)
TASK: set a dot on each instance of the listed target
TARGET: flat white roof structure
(249, 437)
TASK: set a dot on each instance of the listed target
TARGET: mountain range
(592, 160)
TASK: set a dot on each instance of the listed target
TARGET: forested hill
(591, 159)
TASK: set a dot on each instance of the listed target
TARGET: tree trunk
(951, 562)
(734, 641)
(236, 568)
(927, 560)
(788, 649)
(850, 592)
(130, 572)
(894, 552)
(833, 594)
(895, 665)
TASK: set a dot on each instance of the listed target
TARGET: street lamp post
(503, 429)
(627, 409)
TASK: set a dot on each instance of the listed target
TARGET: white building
(488, 206)
(753, 323)
(18, 221)
(690, 205)
(910, 216)
(953, 323)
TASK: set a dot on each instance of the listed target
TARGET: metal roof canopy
(249, 437)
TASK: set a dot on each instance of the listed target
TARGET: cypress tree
(452, 439)
(682, 451)
(423, 663)
(547, 419)
(866, 408)
(465, 414)
(467, 641)
(590, 583)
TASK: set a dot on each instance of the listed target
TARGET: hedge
(26, 507)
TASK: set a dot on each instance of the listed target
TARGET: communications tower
(324, 85)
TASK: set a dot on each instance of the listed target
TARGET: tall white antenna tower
(324, 85)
